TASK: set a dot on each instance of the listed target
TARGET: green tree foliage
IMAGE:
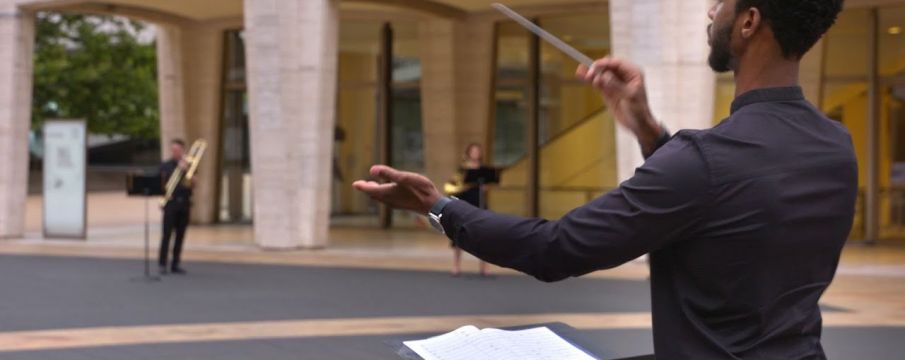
(95, 68)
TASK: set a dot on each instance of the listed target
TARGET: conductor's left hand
(400, 189)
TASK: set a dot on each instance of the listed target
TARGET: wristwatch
(436, 213)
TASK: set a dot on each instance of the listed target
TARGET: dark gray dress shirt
(744, 224)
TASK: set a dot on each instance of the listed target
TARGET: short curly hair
(797, 24)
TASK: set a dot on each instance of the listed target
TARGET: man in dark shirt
(176, 211)
(744, 223)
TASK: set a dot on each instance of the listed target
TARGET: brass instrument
(456, 185)
(193, 157)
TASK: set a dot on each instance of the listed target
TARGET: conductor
(744, 222)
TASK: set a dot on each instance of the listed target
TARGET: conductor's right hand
(400, 189)
(622, 85)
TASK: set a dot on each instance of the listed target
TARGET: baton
(543, 34)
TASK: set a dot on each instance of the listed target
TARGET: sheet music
(469, 343)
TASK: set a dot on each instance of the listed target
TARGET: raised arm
(621, 84)
(662, 203)
(656, 206)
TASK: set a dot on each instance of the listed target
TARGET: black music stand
(145, 186)
(482, 176)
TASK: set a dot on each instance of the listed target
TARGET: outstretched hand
(400, 189)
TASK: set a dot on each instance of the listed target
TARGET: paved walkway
(82, 306)
(75, 300)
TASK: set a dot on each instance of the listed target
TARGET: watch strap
(438, 207)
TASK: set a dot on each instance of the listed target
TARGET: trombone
(193, 157)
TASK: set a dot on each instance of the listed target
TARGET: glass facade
(575, 136)
(357, 133)
(511, 95)
(357, 143)
(235, 200)
(576, 155)
(890, 23)
(360, 125)
(407, 133)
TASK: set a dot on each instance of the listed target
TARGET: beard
(720, 58)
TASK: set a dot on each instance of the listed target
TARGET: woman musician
(473, 193)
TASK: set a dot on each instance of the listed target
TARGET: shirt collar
(791, 93)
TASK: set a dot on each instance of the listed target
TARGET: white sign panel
(64, 178)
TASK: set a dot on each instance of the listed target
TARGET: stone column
(291, 48)
(474, 73)
(16, 46)
(170, 86)
(438, 104)
(189, 62)
(669, 40)
(456, 74)
(202, 59)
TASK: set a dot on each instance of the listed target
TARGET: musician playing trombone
(176, 210)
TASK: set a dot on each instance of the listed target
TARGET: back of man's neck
(766, 75)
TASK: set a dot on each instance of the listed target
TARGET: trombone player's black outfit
(175, 217)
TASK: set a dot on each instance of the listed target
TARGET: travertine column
(202, 72)
(170, 86)
(474, 71)
(669, 40)
(291, 48)
(189, 62)
(438, 104)
(456, 73)
(16, 44)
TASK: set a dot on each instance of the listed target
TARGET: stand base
(146, 279)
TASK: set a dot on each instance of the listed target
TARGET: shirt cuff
(662, 140)
(454, 215)
(437, 208)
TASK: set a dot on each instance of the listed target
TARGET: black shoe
(162, 270)
(178, 271)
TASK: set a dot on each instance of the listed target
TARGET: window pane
(577, 135)
(511, 94)
(356, 138)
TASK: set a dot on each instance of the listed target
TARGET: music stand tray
(144, 185)
(483, 175)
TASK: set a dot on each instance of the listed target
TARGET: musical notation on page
(469, 342)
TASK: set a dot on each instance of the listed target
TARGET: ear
(751, 21)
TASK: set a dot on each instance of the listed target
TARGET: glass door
(235, 157)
